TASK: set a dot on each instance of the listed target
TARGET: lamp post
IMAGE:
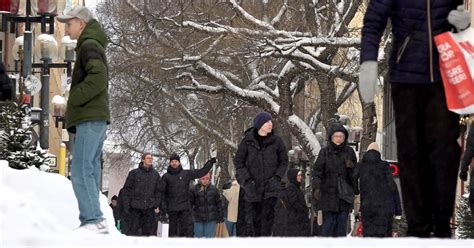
(45, 50)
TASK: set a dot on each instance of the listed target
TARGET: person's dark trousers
(335, 223)
(428, 156)
(261, 215)
(242, 224)
(125, 224)
(143, 222)
(181, 224)
(471, 192)
(377, 224)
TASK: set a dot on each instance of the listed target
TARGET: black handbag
(346, 192)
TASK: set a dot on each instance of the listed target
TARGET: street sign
(33, 84)
(50, 161)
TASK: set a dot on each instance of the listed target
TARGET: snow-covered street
(39, 209)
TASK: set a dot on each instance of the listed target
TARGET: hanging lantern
(45, 6)
(9, 6)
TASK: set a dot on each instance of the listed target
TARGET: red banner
(456, 62)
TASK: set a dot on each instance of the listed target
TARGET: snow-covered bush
(16, 137)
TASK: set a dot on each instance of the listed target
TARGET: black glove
(227, 185)
(277, 178)
(349, 164)
(220, 219)
(463, 175)
(213, 160)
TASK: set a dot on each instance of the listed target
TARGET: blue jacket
(414, 58)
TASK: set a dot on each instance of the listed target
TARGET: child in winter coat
(206, 204)
(291, 212)
(378, 194)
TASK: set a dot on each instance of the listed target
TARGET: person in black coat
(144, 198)
(6, 84)
(207, 208)
(174, 187)
(334, 185)
(115, 209)
(291, 211)
(124, 217)
(466, 164)
(261, 162)
(243, 227)
(427, 148)
(377, 194)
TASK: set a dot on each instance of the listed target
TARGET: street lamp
(66, 50)
(59, 110)
(355, 136)
(45, 50)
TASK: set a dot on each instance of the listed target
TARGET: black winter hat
(174, 156)
(261, 119)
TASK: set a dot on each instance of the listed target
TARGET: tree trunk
(327, 88)
(369, 123)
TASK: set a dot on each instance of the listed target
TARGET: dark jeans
(376, 224)
(428, 155)
(181, 223)
(471, 192)
(144, 220)
(260, 216)
(335, 223)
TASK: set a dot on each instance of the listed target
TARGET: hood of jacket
(292, 174)
(337, 127)
(371, 156)
(93, 31)
(172, 170)
(251, 136)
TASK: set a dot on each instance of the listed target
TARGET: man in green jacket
(87, 113)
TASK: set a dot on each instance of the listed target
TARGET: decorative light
(47, 47)
(66, 50)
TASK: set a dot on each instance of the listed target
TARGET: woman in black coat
(334, 185)
(291, 212)
(207, 208)
(378, 194)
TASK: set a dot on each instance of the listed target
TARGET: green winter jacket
(88, 97)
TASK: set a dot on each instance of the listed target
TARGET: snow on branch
(263, 77)
(311, 60)
(305, 133)
(197, 86)
(250, 17)
(280, 14)
(224, 29)
(241, 93)
(289, 43)
(208, 50)
(193, 119)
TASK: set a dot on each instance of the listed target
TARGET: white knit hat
(373, 146)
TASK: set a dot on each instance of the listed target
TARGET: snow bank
(38, 209)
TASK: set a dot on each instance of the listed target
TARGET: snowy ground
(38, 209)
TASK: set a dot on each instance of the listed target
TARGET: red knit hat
(207, 176)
